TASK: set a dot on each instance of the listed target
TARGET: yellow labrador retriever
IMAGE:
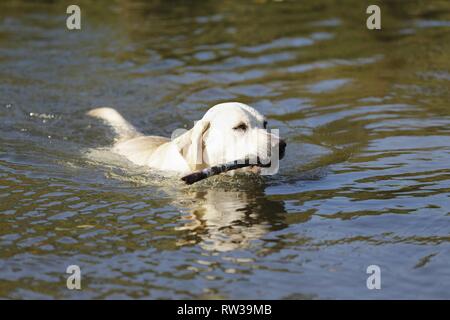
(227, 132)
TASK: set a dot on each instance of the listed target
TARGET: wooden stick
(215, 170)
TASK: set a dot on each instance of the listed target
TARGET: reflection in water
(225, 220)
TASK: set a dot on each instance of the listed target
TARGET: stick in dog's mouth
(215, 170)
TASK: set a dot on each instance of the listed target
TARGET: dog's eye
(241, 126)
(265, 124)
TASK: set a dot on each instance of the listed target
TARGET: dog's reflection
(223, 220)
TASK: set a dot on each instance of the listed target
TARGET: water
(366, 178)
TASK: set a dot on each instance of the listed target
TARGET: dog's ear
(191, 146)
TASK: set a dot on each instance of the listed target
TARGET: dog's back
(129, 141)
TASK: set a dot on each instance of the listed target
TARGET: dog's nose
(282, 148)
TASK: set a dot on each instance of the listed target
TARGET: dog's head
(228, 132)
